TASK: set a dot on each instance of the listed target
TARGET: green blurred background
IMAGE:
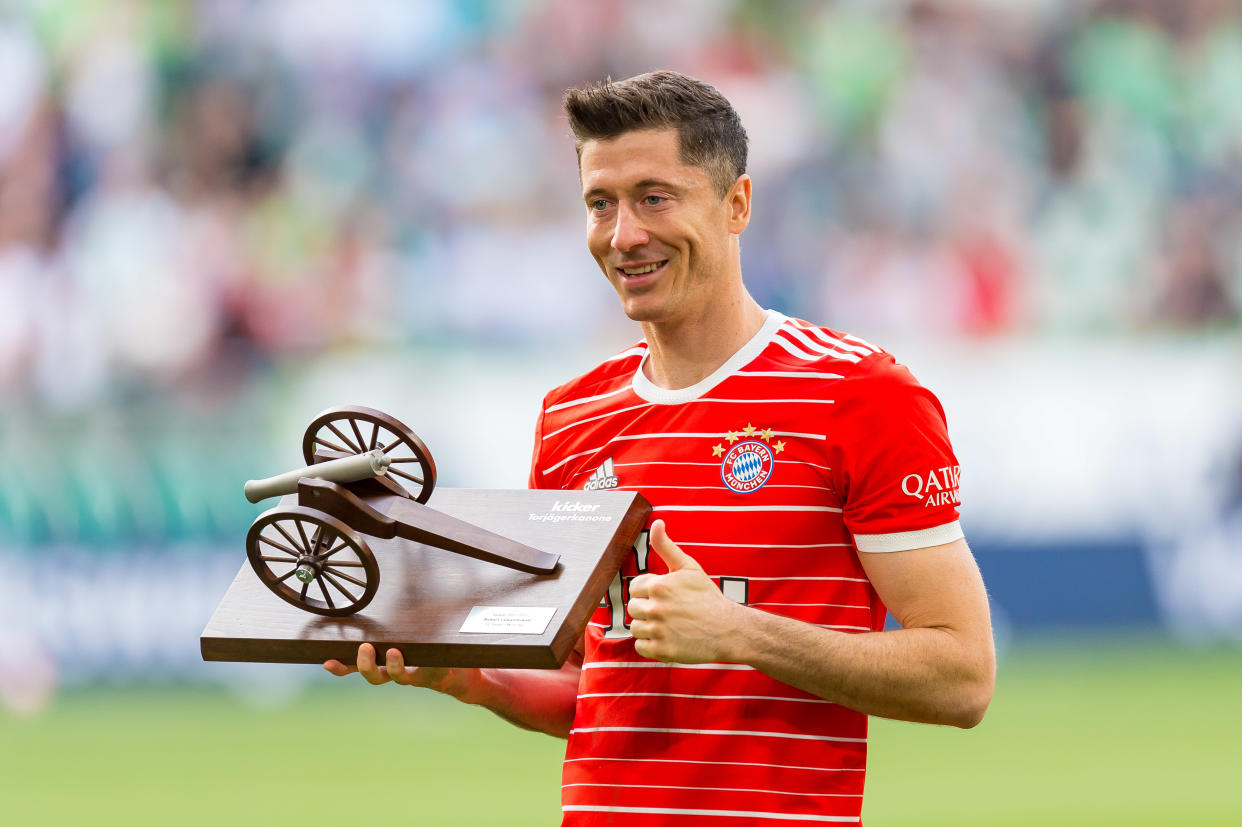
(219, 218)
(1110, 732)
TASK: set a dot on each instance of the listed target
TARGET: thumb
(670, 552)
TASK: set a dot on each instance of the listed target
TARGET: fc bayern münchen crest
(747, 466)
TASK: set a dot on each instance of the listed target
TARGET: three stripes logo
(603, 478)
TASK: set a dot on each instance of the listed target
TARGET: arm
(542, 700)
(940, 668)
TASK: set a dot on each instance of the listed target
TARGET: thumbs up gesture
(681, 617)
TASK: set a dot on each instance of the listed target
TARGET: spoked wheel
(351, 430)
(312, 560)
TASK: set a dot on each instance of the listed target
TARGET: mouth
(641, 272)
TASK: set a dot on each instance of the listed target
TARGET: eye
(653, 200)
(599, 204)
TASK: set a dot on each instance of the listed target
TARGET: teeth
(638, 271)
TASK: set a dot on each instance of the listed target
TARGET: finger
(339, 669)
(640, 608)
(367, 667)
(395, 666)
(668, 551)
(640, 586)
(648, 649)
(643, 630)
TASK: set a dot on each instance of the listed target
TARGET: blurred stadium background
(219, 218)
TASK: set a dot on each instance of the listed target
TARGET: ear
(738, 201)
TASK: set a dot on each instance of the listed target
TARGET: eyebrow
(646, 183)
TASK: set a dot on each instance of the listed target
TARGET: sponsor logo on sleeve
(936, 487)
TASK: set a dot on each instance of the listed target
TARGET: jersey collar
(651, 392)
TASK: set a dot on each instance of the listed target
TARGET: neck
(686, 351)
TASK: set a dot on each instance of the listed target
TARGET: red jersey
(805, 447)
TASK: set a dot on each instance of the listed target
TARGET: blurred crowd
(190, 191)
(202, 203)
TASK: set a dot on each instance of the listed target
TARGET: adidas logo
(603, 478)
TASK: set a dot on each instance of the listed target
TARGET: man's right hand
(448, 680)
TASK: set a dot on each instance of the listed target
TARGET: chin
(643, 311)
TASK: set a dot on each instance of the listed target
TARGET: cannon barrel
(348, 469)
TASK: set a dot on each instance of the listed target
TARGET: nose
(628, 232)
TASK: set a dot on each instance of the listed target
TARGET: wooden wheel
(351, 430)
(312, 560)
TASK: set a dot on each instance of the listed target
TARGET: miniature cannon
(366, 473)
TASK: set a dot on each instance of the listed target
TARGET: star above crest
(749, 432)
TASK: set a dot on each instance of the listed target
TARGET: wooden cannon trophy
(477, 578)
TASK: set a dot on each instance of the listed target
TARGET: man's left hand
(680, 617)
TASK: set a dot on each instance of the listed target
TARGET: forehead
(643, 155)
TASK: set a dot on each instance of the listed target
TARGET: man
(809, 482)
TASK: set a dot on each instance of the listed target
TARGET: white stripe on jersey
(577, 422)
(808, 605)
(655, 664)
(802, 462)
(790, 374)
(828, 508)
(763, 545)
(755, 401)
(749, 733)
(717, 487)
(718, 789)
(822, 335)
(792, 350)
(715, 435)
(629, 437)
(823, 349)
(675, 811)
(862, 342)
(706, 697)
(720, 763)
(717, 464)
(846, 579)
(552, 468)
(627, 464)
(587, 399)
(813, 605)
(666, 462)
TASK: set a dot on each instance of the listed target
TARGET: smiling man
(802, 483)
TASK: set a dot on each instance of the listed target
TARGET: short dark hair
(709, 132)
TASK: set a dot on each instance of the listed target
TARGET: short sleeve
(896, 471)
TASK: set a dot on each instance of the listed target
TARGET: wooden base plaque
(445, 609)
